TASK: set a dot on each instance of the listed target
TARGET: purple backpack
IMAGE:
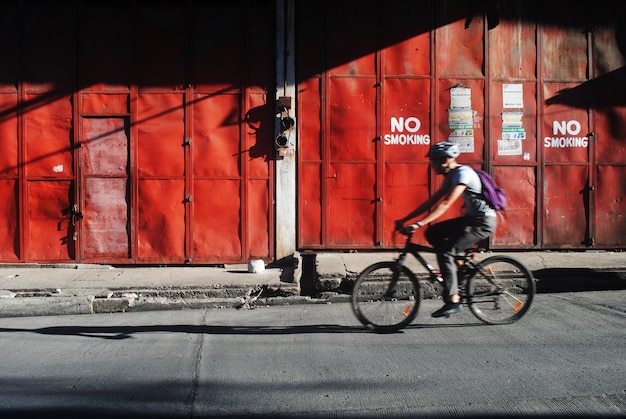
(494, 195)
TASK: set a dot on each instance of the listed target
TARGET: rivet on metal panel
(380, 83)
(187, 199)
(187, 142)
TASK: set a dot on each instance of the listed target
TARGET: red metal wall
(542, 116)
(137, 134)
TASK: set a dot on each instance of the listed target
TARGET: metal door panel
(352, 119)
(49, 38)
(104, 46)
(105, 222)
(10, 51)
(259, 218)
(351, 183)
(216, 46)
(8, 135)
(564, 47)
(105, 147)
(459, 43)
(565, 218)
(406, 186)
(161, 36)
(611, 206)
(105, 104)
(513, 45)
(161, 221)
(310, 208)
(47, 137)
(50, 230)
(9, 221)
(565, 129)
(105, 157)
(405, 33)
(476, 141)
(309, 121)
(351, 204)
(513, 151)
(259, 137)
(217, 220)
(516, 225)
(351, 27)
(406, 131)
(161, 134)
(217, 145)
(610, 138)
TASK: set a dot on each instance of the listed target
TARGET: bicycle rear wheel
(501, 290)
(380, 305)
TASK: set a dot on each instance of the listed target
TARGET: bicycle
(386, 295)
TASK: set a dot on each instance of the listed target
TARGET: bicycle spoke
(502, 290)
(375, 307)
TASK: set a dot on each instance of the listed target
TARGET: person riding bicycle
(451, 237)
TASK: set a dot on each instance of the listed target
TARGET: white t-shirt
(475, 204)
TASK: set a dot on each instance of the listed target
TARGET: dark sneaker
(447, 309)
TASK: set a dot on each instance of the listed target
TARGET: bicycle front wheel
(386, 296)
(501, 290)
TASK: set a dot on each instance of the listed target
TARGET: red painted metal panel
(105, 147)
(351, 177)
(565, 129)
(9, 221)
(217, 38)
(503, 119)
(351, 204)
(10, 24)
(105, 221)
(104, 47)
(565, 220)
(405, 33)
(48, 138)
(352, 119)
(513, 45)
(309, 121)
(161, 221)
(50, 47)
(472, 146)
(406, 186)
(459, 43)
(516, 225)
(217, 220)
(258, 216)
(310, 205)
(259, 137)
(351, 27)
(161, 36)
(610, 138)
(564, 47)
(105, 104)
(8, 135)
(310, 168)
(611, 206)
(105, 206)
(50, 231)
(161, 133)
(217, 145)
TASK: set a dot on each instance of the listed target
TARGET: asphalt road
(566, 358)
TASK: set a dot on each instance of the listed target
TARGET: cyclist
(451, 237)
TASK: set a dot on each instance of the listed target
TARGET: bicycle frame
(435, 275)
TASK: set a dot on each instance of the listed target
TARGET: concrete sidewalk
(31, 290)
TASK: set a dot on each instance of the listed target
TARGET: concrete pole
(285, 174)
